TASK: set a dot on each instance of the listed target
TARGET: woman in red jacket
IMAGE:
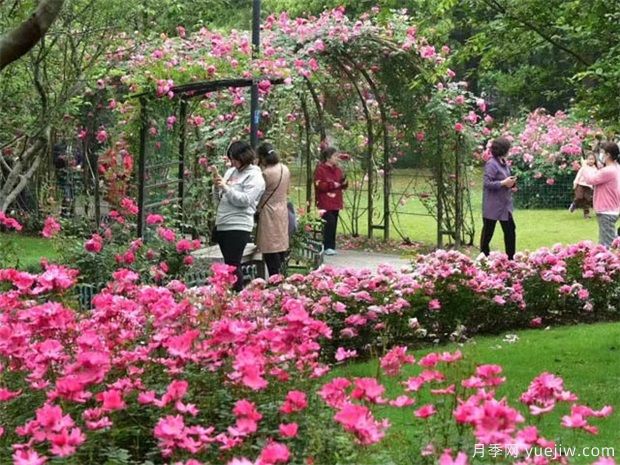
(329, 182)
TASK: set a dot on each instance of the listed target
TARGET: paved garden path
(359, 260)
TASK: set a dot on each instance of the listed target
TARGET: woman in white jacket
(239, 191)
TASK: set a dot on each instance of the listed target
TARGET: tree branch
(20, 40)
(498, 7)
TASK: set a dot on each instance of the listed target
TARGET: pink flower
(458, 127)
(550, 181)
(10, 223)
(368, 389)
(166, 234)
(184, 246)
(425, 411)
(273, 453)
(153, 219)
(264, 86)
(295, 401)
(393, 361)
(288, 430)
(28, 457)
(334, 392)
(112, 400)
(242, 461)
(94, 244)
(402, 401)
(51, 227)
(446, 458)
(101, 136)
(420, 136)
(428, 52)
(66, 441)
(358, 420)
(129, 205)
(434, 304)
(343, 354)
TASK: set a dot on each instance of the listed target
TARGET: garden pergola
(153, 175)
(163, 163)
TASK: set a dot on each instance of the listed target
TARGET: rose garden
(122, 341)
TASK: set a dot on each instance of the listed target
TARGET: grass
(30, 249)
(535, 228)
(585, 356)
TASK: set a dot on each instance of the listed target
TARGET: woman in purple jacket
(497, 199)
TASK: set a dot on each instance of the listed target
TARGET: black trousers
(232, 244)
(274, 262)
(510, 236)
(330, 218)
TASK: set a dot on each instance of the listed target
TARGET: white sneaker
(330, 252)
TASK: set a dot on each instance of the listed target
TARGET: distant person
(67, 161)
(329, 183)
(239, 191)
(272, 235)
(606, 183)
(584, 193)
(497, 199)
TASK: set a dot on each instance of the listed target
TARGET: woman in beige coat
(272, 234)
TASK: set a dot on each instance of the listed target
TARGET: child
(583, 191)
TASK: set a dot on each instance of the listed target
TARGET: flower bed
(545, 155)
(195, 376)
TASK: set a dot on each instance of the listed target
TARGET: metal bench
(308, 256)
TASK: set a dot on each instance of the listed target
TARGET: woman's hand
(221, 184)
(509, 182)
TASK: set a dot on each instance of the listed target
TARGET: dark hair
(500, 147)
(242, 152)
(612, 149)
(267, 154)
(327, 152)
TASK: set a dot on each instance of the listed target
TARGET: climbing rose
(94, 244)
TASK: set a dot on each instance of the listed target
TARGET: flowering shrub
(166, 255)
(197, 376)
(546, 154)
(449, 296)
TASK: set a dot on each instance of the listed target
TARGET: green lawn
(30, 249)
(585, 356)
(535, 228)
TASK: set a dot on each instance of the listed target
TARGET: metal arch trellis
(162, 159)
(169, 187)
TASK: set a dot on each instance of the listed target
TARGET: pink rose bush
(146, 354)
(166, 255)
(546, 154)
(201, 375)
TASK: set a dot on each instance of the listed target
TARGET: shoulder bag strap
(277, 187)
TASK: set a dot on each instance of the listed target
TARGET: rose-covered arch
(375, 75)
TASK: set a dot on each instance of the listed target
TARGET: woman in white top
(239, 191)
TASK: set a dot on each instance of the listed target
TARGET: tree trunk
(20, 40)
(20, 173)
